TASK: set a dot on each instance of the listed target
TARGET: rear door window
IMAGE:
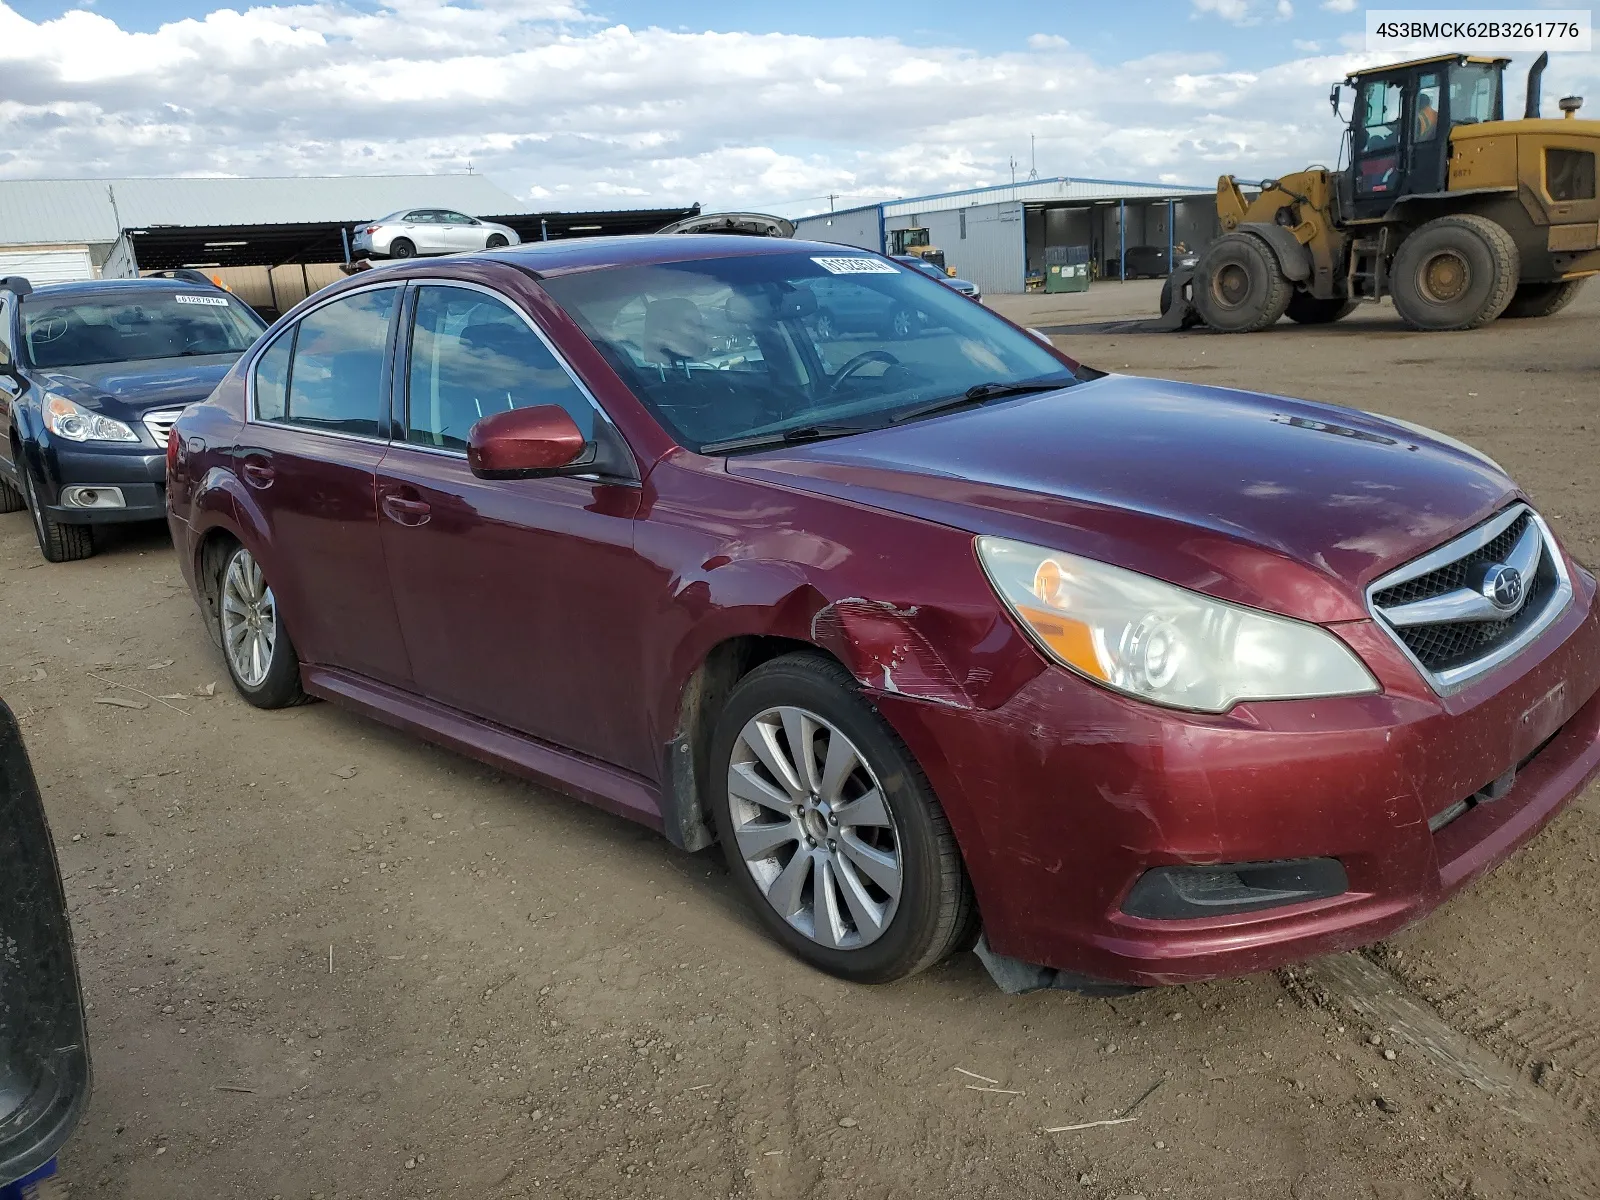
(336, 370)
(472, 356)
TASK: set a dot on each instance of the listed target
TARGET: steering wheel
(859, 361)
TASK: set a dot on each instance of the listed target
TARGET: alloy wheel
(814, 829)
(249, 619)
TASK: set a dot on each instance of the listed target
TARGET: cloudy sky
(613, 103)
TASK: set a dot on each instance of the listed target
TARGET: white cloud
(1307, 47)
(1237, 11)
(1047, 41)
(1285, 10)
(568, 112)
(1339, 6)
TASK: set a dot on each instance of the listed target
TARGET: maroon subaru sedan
(948, 640)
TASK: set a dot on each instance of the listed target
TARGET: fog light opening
(79, 496)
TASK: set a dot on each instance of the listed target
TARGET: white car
(415, 231)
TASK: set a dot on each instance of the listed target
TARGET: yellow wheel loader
(1456, 214)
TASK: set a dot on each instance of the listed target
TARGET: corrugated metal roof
(1029, 191)
(1039, 190)
(62, 211)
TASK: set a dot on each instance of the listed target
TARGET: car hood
(1281, 504)
(139, 387)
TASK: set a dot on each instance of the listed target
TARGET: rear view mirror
(528, 442)
(44, 1052)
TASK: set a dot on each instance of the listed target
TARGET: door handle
(404, 511)
(258, 474)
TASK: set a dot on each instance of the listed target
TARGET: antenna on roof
(1033, 160)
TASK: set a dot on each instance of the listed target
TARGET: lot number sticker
(214, 301)
(855, 266)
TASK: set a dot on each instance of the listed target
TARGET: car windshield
(130, 327)
(763, 348)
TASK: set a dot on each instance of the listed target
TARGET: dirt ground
(324, 959)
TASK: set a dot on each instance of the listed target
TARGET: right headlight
(78, 424)
(1164, 643)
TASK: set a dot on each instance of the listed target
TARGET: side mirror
(525, 443)
(44, 1052)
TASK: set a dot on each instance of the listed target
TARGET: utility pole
(1013, 170)
(832, 196)
(1033, 159)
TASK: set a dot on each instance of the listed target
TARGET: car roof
(572, 255)
(100, 287)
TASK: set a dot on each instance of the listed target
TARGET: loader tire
(1239, 286)
(1456, 272)
(1537, 299)
(1308, 310)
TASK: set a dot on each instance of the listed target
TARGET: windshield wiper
(984, 391)
(784, 437)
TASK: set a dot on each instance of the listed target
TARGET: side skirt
(615, 790)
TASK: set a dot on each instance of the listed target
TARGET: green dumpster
(1066, 268)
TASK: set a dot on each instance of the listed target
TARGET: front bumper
(1063, 797)
(139, 471)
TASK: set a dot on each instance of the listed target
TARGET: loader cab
(1400, 127)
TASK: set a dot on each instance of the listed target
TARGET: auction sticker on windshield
(215, 301)
(855, 266)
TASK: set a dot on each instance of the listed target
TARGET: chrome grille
(1440, 607)
(160, 423)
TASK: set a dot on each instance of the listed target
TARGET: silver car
(414, 231)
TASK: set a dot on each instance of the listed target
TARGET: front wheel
(261, 659)
(1238, 285)
(1456, 272)
(496, 241)
(58, 542)
(830, 828)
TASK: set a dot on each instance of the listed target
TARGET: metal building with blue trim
(997, 236)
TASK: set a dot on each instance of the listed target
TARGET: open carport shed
(272, 241)
(998, 236)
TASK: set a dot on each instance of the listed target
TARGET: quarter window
(272, 378)
(335, 377)
(473, 356)
(5, 334)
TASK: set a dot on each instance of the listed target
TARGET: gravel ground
(326, 960)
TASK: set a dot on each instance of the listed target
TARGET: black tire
(1238, 285)
(402, 248)
(935, 914)
(280, 686)
(1308, 310)
(11, 500)
(58, 542)
(496, 241)
(1456, 272)
(1166, 296)
(1531, 300)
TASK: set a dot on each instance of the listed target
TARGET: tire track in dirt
(1492, 1054)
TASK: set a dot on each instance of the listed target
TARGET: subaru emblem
(1502, 587)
